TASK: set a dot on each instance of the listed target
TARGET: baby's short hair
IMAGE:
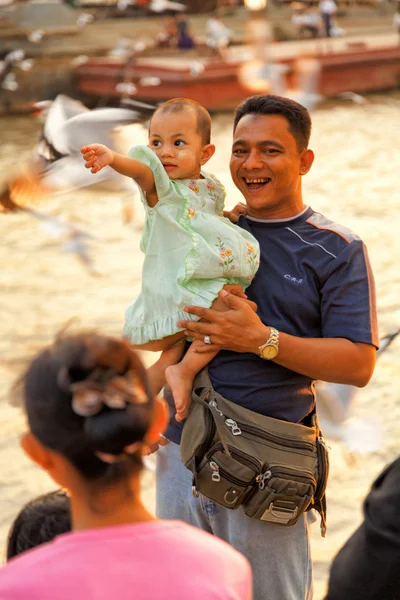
(202, 114)
(39, 522)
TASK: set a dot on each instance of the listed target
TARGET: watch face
(269, 352)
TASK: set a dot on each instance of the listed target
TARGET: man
(368, 565)
(327, 9)
(315, 288)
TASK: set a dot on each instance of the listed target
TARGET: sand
(354, 180)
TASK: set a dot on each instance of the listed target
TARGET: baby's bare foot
(180, 380)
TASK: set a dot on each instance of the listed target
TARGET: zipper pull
(216, 477)
(233, 426)
(262, 478)
(214, 405)
(323, 443)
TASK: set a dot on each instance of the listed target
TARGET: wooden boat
(218, 84)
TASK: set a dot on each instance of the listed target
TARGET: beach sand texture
(354, 181)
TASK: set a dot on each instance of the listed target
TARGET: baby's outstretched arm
(97, 156)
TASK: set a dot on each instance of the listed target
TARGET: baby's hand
(236, 290)
(234, 214)
(97, 156)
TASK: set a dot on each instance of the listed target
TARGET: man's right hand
(97, 156)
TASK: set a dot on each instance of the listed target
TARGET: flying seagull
(334, 407)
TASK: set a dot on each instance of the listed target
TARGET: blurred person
(219, 36)
(185, 37)
(90, 415)
(191, 250)
(39, 522)
(396, 21)
(367, 566)
(316, 320)
(307, 22)
(327, 9)
(168, 37)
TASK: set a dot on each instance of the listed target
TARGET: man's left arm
(347, 313)
(240, 329)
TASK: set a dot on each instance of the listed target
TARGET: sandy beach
(354, 181)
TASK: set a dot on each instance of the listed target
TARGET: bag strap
(204, 393)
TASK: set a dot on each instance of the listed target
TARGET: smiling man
(316, 319)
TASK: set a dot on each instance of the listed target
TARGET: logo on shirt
(294, 279)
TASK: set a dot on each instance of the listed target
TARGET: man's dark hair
(297, 116)
(202, 114)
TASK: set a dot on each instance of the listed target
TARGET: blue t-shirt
(314, 281)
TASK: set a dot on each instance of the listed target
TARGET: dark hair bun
(86, 394)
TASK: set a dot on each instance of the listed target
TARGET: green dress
(191, 252)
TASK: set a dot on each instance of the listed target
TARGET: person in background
(185, 38)
(91, 414)
(368, 566)
(168, 37)
(396, 20)
(39, 522)
(307, 21)
(219, 36)
(328, 9)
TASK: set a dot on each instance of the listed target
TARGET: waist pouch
(274, 469)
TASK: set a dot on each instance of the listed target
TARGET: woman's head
(39, 522)
(180, 131)
(87, 398)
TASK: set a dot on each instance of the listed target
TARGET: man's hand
(238, 329)
(234, 214)
(97, 156)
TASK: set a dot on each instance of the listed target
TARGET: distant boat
(218, 84)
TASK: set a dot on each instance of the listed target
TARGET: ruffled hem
(166, 326)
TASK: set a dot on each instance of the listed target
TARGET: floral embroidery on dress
(193, 186)
(212, 192)
(252, 259)
(191, 212)
(227, 263)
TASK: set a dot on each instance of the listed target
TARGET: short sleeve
(147, 157)
(348, 303)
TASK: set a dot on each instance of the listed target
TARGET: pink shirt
(156, 560)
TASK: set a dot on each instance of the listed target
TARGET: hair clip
(90, 395)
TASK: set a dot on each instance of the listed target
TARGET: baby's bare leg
(156, 373)
(180, 376)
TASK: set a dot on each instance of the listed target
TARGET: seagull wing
(95, 126)
(386, 341)
(60, 112)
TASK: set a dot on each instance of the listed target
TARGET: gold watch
(270, 349)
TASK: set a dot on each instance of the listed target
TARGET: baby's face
(174, 138)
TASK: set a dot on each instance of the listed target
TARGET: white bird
(353, 97)
(159, 6)
(57, 166)
(69, 125)
(335, 403)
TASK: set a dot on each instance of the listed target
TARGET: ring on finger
(207, 340)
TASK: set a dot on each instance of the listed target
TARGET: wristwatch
(270, 349)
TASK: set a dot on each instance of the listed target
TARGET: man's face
(266, 166)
